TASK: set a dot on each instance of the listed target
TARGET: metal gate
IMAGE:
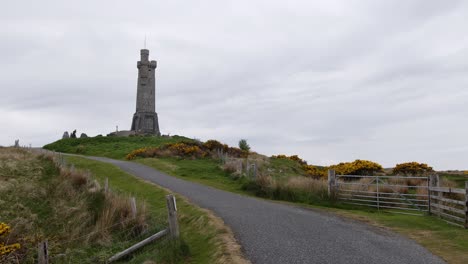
(402, 194)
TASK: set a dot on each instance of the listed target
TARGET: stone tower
(145, 119)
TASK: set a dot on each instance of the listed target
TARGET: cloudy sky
(330, 81)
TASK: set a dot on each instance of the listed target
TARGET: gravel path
(271, 233)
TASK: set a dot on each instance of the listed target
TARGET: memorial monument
(145, 119)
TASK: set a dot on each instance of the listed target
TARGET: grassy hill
(111, 147)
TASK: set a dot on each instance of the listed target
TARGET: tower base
(146, 123)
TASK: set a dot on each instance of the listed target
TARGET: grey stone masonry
(145, 119)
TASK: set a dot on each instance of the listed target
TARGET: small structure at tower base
(145, 123)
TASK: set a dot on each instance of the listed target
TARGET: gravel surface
(271, 232)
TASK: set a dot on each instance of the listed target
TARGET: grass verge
(205, 235)
(42, 200)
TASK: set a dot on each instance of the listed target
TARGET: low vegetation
(66, 205)
(412, 168)
(41, 200)
(205, 239)
(112, 147)
(290, 178)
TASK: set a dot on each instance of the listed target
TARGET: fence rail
(426, 196)
(450, 204)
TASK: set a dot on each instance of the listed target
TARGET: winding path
(272, 233)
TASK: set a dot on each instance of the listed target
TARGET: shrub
(4, 247)
(357, 167)
(185, 149)
(243, 145)
(293, 158)
(412, 168)
(214, 145)
(315, 171)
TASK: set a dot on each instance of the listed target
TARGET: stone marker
(83, 135)
(65, 135)
(145, 119)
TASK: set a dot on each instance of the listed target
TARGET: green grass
(458, 179)
(441, 238)
(200, 236)
(112, 147)
(204, 171)
(284, 168)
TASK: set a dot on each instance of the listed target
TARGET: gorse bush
(188, 149)
(293, 158)
(6, 247)
(357, 167)
(412, 168)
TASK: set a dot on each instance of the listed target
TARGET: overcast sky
(330, 81)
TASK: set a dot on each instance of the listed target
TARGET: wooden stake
(134, 208)
(106, 185)
(331, 183)
(172, 215)
(254, 170)
(43, 253)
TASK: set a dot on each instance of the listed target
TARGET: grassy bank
(205, 236)
(41, 200)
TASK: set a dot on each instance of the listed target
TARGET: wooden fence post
(254, 170)
(378, 198)
(106, 185)
(466, 204)
(43, 253)
(172, 216)
(134, 208)
(429, 185)
(434, 184)
(331, 183)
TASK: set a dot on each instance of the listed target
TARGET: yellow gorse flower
(4, 229)
(5, 249)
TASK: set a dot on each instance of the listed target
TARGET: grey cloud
(330, 81)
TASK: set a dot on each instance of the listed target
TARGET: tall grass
(295, 189)
(43, 200)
